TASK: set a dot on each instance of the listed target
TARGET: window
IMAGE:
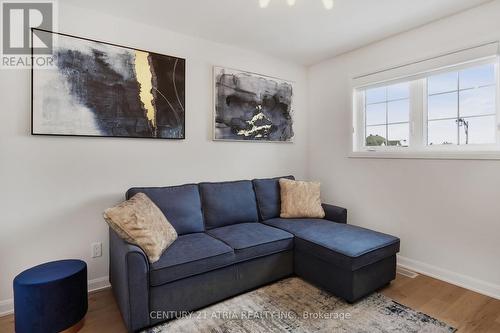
(461, 107)
(452, 110)
(387, 115)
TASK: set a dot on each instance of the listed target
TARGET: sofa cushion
(267, 192)
(190, 255)
(343, 245)
(139, 221)
(180, 204)
(252, 240)
(228, 203)
(300, 199)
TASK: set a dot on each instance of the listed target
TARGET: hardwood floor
(461, 308)
(464, 309)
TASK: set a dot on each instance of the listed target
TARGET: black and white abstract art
(102, 89)
(252, 107)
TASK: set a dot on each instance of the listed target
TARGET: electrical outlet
(96, 250)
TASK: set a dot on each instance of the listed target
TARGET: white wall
(55, 189)
(446, 212)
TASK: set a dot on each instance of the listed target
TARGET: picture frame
(119, 91)
(261, 111)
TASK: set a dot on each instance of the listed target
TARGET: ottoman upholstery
(50, 297)
(346, 260)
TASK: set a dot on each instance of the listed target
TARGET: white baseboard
(464, 281)
(7, 306)
(98, 284)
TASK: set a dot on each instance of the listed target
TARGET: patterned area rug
(293, 305)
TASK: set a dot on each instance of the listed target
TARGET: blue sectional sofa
(231, 240)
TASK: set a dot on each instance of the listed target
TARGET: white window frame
(418, 147)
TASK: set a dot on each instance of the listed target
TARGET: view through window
(462, 107)
(387, 115)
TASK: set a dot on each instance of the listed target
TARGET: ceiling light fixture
(264, 3)
(327, 3)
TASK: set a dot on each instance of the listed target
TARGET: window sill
(434, 155)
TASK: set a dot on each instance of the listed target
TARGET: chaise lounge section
(231, 240)
(346, 260)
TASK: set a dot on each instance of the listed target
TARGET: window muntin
(461, 107)
(387, 112)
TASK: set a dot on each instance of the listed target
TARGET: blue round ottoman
(50, 297)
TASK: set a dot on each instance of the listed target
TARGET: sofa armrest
(129, 277)
(335, 213)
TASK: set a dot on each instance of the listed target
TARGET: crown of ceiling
(327, 3)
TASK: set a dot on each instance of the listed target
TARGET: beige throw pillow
(300, 199)
(139, 221)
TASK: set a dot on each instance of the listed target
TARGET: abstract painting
(252, 107)
(103, 89)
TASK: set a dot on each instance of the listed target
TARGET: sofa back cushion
(181, 205)
(267, 192)
(228, 203)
